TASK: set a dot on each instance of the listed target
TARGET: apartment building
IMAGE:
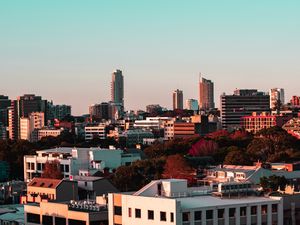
(171, 202)
(176, 129)
(97, 131)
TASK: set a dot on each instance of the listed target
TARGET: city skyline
(67, 52)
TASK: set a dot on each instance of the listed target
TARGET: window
(129, 212)
(47, 220)
(221, 213)
(186, 217)
(253, 210)
(197, 215)
(150, 215)
(118, 210)
(172, 217)
(243, 211)
(137, 213)
(209, 214)
(67, 169)
(274, 208)
(163, 216)
(33, 218)
(39, 166)
(264, 209)
(232, 212)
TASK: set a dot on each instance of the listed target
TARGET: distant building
(154, 109)
(171, 201)
(176, 129)
(192, 104)
(36, 120)
(206, 94)
(5, 102)
(295, 101)
(293, 127)
(59, 111)
(46, 132)
(4, 171)
(152, 123)
(99, 112)
(178, 99)
(242, 103)
(117, 87)
(257, 122)
(276, 95)
(97, 131)
(135, 136)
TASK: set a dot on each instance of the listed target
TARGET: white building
(47, 132)
(171, 202)
(72, 160)
(92, 132)
(35, 121)
(151, 123)
(24, 129)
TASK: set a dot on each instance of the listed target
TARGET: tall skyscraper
(22, 107)
(178, 99)
(117, 87)
(206, 94)
(276, 94)
(242, 103)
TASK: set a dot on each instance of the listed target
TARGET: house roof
(44, 183)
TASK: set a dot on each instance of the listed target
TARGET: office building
(172, 202)
(96, 131)
(177, 99)
(117, 87)
(276, 96)
(242, 103)
(99, 112)
(206, 94)
(191, 104)
(179, 129)
(4, 104)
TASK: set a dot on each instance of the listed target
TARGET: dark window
(62, 168)
(209, 214)
(47, 220)
(163, 216)
(150, 215)
(243, 211)
(33, 218)
(85, 183)
(264, 209)
(67, 168)
(76, 222)
(186, 216)
(274, 208)
(172, 217)
(39, 166)
(253, 210)
(60, 221)
(197, 215)
(129, 212)
(137, 213)
(118, 210)
(232, 212)
(221, 213)
(159, 189)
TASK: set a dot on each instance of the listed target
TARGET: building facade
(192, 104)
(97, 131)
(178, 99)
(276, 95)
(206, 94)
(117, 87)
(176, 129)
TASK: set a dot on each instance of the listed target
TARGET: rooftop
(44, 183)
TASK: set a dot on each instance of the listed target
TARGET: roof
(44, 183)
(16, 216)
(86, 178)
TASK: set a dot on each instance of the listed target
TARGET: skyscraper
(178, 99)
(117, 87)
(276, 94)
(206, 94)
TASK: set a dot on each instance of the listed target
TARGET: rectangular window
(129, 212)
(186, 217)
(163, 216)
(47, 220)
(274, 208)
(221, 213)
(172, 217)
(150, 215)
(138, 213)
(209, 214)
(118, 210)
(264, 209)
(243, 211)
(197, 215)
(253, 210)
(67, 169)
(232, 212)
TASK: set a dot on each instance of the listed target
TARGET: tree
(52, 170)
(203, 148)
(237, 156)
(273, 182)
(177, 167)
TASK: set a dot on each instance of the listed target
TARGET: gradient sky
(65, 50)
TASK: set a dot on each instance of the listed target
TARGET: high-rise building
(206, 94)
(178, 99)
(242, 103)
(4, 104)
(30, 125)
(21, 108)
(117, 87)
(276, 94)
(99, 112)
(191, 104)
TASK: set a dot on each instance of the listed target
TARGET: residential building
(58, 111)
(242, 103)
(295, 101)
(177, 99)
(276, 96)
(24, 129)
(117, 87)
(152, 123)
(206, 94)
(28, 125)
(172, 202)
(72, 160)
(192, 104)
(97, 131)
(178, 129)
(99, 112)
(135, 136)
(257, 122)
(46, 132)
(45, 189)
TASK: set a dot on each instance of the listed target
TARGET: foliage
(236, 156)
(273, 183)
(203, 148)
(52, 170)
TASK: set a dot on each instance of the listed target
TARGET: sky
(66, 50)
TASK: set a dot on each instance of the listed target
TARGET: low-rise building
(136, 136)
(293, 127)
(97, 131)
(176, 129)
(172, 202)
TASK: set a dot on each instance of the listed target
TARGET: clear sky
(65, 50)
